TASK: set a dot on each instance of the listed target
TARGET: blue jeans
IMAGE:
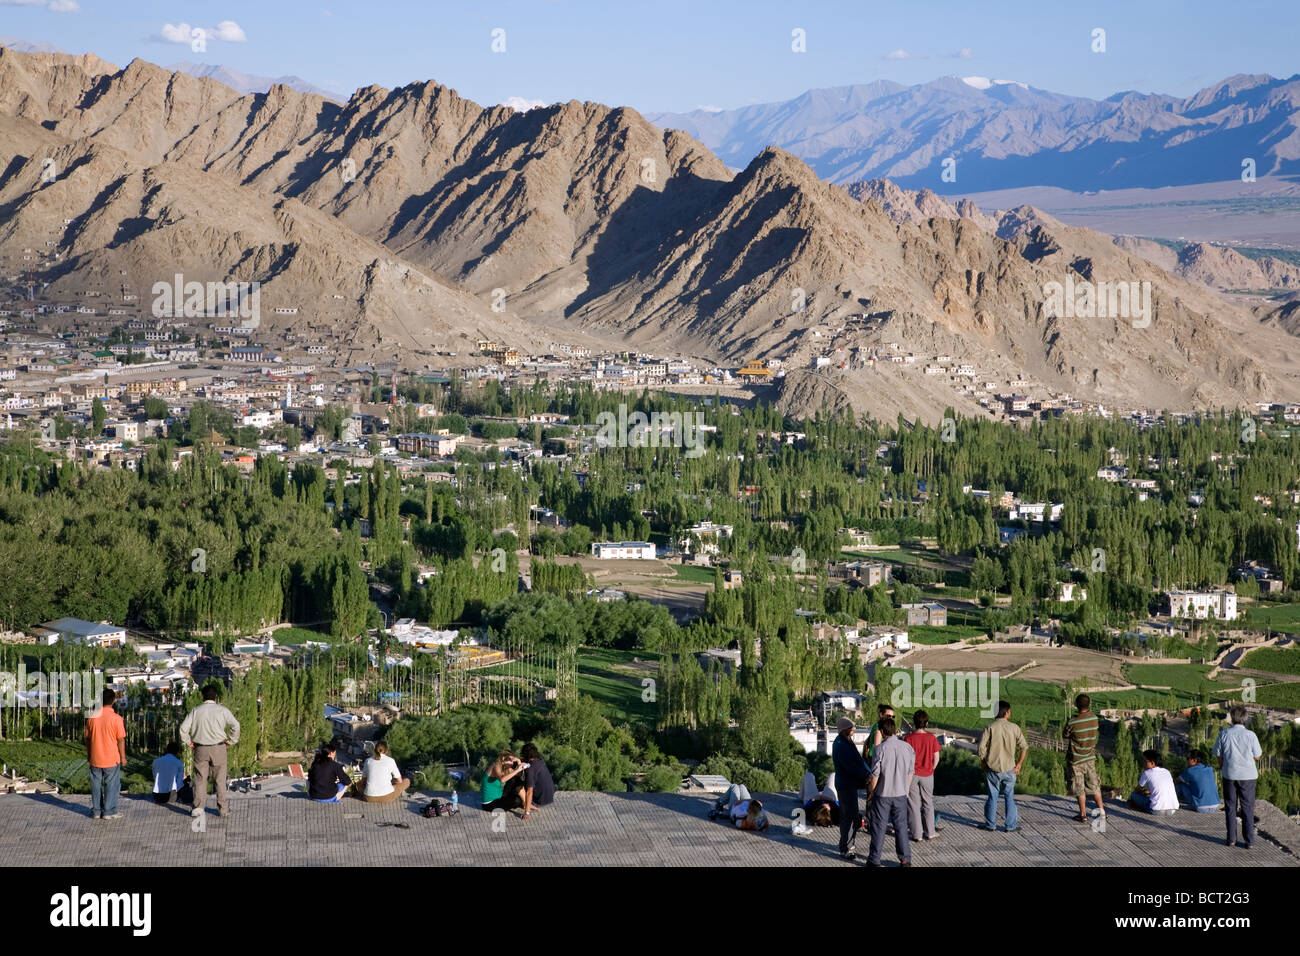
(1186, 795)
(337, 798)
(1004, 783)
(105, 785)
(1142, 801)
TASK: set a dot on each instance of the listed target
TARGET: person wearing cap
(851, 773)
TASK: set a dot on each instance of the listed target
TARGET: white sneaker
(196, 812)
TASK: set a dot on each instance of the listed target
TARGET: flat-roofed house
(73, 630)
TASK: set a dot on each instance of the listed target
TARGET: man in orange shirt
(106, 751)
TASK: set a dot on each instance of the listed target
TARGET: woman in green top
(502, 770)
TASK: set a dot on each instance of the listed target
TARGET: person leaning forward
(209, 729)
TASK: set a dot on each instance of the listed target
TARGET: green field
(1286, 696)
(1186, 678)
(1276, 617)
(924, 634)
(894, 555)
(1032, 703)
(693, 574)
(64, 762)
(299, 635)
(1275, 660)
(599, 676)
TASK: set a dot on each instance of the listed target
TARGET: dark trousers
(1242, 791)
(884, 811)
(848, 819)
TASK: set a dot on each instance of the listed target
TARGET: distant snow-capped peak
(984, 83)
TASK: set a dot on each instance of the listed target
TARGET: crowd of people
(893, 774)
(509, 783)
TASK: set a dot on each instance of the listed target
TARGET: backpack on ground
(440, 808)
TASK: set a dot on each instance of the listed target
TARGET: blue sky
(676, 55)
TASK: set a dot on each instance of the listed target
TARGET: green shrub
(663, 779)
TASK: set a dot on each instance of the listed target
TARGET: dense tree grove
(197, 547)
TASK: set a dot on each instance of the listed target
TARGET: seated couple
(1158, 793)
(381, 781)
(512, 782)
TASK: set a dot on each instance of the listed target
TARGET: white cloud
(230, 32)
(711, 109)
(180, 33)
(965, 53)
(227, 30)
(55, 6)
(898, 55)
(521, 105)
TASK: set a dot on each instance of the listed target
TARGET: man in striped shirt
(1082, 731)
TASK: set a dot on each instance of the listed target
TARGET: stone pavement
(278, 826)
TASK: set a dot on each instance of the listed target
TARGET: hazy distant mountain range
(248, 83)
(411, 219)
(22, 46)
(1005, 134)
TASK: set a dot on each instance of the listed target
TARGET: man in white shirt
(1155, 792)
(381, 781)
(169, 775)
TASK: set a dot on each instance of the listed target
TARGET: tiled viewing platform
(279, 826)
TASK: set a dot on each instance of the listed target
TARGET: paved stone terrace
(280, 827)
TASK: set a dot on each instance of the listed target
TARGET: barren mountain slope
(421, 210)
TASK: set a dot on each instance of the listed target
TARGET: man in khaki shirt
(209, 728)
(1002, 752)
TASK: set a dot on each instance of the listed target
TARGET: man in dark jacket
(851, 773)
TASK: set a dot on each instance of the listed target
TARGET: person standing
(851, 774)
(209, 729)
(871, 743)
(892, 770)
(1082, 731)
(920, 796)
(1238, 752)
(106, 753)
(1002, 753)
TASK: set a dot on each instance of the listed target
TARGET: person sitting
(538, 788)
(1155, 791)
(1196, 785)
(170, 784)
(327, 774)
(381, 781)
(501, 783)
